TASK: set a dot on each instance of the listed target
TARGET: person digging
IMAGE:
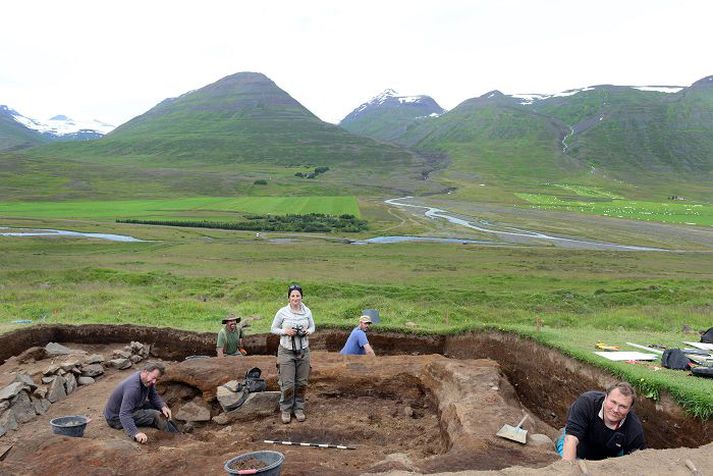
(135, 403)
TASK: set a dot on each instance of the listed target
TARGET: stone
(540, 440)
(85, 380)
(27, 380)
(136, 358)
(7, 422)
(120, 364)
(12, 390)
(193, 411)
(23, 408)
(145, 351)
(136, 346)
(92, 370)
(121, 354)
(94, 359)
(70, 383)
(41, 405)
(408, 411)
(47, 380)
(40, 392)
(233, 385)
(228, 399)
(56, 391)
(54, 348)
(4, 405)
(257, 405)
(69, 365)
(51, 370)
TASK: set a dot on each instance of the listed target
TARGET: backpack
(253, 382)
(675, 359)
(707, 336)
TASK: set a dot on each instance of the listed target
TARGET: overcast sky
(114, 59)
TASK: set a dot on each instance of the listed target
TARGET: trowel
(514, 433)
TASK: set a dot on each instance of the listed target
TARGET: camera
(300, 330)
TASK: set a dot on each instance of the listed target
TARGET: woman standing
(293, 323)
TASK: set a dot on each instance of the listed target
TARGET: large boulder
(258, 404)
(56, 391)
(23, 408)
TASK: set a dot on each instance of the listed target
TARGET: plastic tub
(69, 425)
(273, 463)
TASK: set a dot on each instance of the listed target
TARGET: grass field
(679, 212)
(206, 207)
(190, 278)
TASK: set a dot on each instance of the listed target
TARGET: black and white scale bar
(313, 445)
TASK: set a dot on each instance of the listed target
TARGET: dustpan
(514, 433)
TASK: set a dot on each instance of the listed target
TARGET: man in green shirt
(230, 337)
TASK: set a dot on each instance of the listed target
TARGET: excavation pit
(424, 413)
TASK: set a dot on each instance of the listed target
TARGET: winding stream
(516, 235)
(21, 232)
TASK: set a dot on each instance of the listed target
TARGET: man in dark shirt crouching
(601, 425)
(135, 403)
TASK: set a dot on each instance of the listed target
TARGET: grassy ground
(196, 207)
(189, 279)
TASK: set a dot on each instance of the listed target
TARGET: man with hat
(230, 337)
(357, 343)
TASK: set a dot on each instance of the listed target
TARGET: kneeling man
(135, 403)
(601, 425)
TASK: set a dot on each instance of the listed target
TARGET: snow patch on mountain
(660, 89)
(60, 125)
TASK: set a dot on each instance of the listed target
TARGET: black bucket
(69, 425)
(272, 459)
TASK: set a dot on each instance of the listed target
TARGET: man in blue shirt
(357, 343)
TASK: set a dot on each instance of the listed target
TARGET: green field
(190, 278)
(684, 213)
(193, 207)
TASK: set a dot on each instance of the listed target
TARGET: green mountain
(496, 140)
(635, 135)
(15, 136)
(220, 140)
(388, 115)
(629, 138)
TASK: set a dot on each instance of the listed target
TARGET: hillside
(634, 134)
(647, 141)
(15, 136)
(220, 140)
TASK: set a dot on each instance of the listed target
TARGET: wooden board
(618, 356)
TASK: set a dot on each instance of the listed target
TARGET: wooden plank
(618, 356)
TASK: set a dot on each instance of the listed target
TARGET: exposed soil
(412, 411)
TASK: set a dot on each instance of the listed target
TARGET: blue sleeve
(361, 339)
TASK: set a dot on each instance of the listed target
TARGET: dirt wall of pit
(546, 381)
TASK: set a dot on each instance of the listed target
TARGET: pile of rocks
(23, 399)
(64, 378)
(20, 402)
(133, 353)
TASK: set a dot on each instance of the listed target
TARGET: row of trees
(312, 222)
